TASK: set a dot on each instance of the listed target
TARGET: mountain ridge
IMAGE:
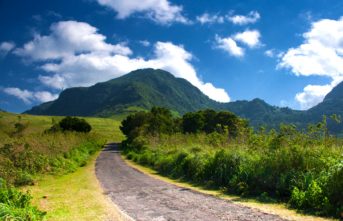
(144, 88)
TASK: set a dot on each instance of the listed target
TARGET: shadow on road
(112, 147)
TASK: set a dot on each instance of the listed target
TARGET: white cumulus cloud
(250, 18)
(210, 18)
(312, 95)
(85, 65)
(160, 11)
(68, 38)
(145, 43)
(6, 47)
(229, 45)
(249, 37)
(270, 53)
(28, 96)
(320, 54)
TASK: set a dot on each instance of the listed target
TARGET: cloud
(251, 18)
(145, 43)
(23, 95)
(229, 45)
(312, 95)
(6, 47)
(160, 11)
(82, 64)
(208, 18)
(44, 96)
(320, 54)
(272, 53)
(28, 96)
(249, 37)
(68, 38)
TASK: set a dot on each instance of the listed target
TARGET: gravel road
(144, 198)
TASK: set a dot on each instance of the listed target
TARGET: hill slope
(332, 104)
(142, 89)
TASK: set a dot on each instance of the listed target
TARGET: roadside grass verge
(75, 196)
(280, 209)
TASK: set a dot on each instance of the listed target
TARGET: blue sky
(288, 53)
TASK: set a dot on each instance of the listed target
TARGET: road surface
(144, 198)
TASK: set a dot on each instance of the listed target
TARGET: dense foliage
(75, 124)
(161, 121)
(303, 168)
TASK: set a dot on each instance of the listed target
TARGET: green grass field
(59, 164)
(106, 127)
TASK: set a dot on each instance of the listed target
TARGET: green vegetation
(28, 151)
(72, 124)
(17, 205)
(74, 196)
(142, 89)
(303, 168)
(136, 91)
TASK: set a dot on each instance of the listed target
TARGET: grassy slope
(273, 208)
(75, 196)
(108, 128)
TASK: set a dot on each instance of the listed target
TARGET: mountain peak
(335, 94)
(137, 90)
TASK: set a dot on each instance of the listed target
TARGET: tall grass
(297, 167)
(15, 205)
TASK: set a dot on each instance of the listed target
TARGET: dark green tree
(132, 123)
(193, 122)
(75, 124)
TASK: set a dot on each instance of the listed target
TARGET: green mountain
(332, 104)
(138, 90)
(260, 113)
(142, 89)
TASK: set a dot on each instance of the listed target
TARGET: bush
(303, 168)
(15, 205)
(75, 124)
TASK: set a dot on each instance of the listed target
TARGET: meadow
(28, 151)
(303, 168)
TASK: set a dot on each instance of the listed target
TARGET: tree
(160, 121)
(75, 124)
(131, 124)
(193, 122)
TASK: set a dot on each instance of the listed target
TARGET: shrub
(75, 124)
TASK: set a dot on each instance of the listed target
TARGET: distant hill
(142, 89)
(138, 90)
(260, 113)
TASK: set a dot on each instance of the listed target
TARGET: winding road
(144, 198)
